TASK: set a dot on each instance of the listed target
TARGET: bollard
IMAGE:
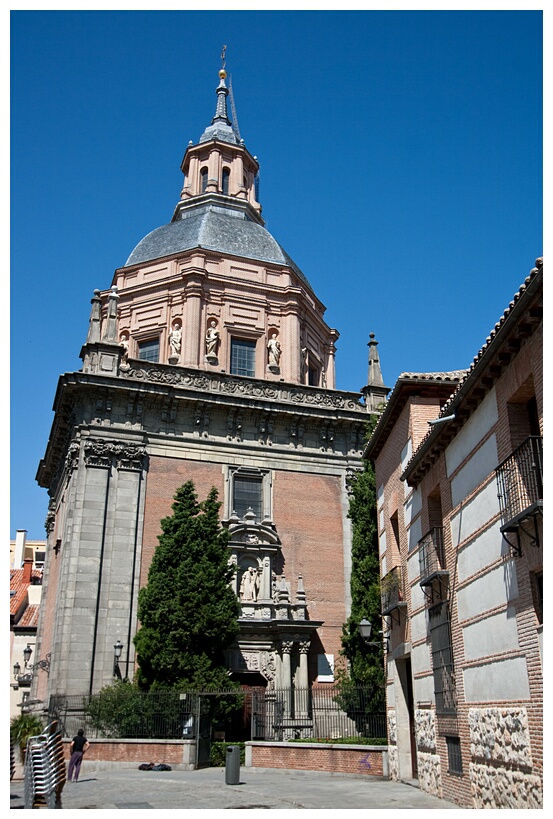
(232, 765)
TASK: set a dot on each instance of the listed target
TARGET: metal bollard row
(44, 769)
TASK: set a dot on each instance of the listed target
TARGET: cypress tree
(187, 611)
(365, 664)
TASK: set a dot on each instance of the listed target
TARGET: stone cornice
(322, 414)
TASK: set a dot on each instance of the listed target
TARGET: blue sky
(401, 168)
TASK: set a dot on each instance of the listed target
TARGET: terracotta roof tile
(29, 618)
(18, 585)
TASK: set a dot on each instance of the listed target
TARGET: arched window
(226, 177)
(203, 180)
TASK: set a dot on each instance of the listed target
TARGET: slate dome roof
(216, 229)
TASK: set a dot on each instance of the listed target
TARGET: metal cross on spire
(223, 60)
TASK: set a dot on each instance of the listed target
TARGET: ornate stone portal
(275, 633)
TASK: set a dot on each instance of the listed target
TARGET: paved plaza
(129, 789)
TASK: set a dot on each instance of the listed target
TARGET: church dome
(214, 228)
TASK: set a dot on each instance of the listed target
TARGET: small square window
(454, 760)
(242, 357)
(149, 350)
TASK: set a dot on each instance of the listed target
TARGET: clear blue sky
(401, 168)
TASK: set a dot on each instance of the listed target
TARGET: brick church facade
(208, 359)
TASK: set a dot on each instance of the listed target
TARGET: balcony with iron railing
(432, 556)
(520, 483)
(391, 591)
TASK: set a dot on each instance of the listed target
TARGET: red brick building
(458, 459)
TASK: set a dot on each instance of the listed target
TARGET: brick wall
(169, 752)
(365, 760)
(308, 516)
(165, 476)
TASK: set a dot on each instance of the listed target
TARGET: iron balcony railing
(391, 590)
(520, 480)
(431, 555)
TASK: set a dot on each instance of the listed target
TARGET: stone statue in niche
(175, 341)
(249, 585)
(124, 342)
(212, 340)
(303, 360)
(273, 346)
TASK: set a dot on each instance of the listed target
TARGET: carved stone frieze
(98, 452)
(352, 473)
(224, 383)
(104, 454)
(325, 399)
(256, 389)
(72, 457)
(50, 517)
(268, 665)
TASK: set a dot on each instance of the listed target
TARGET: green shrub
(23, 727)
(218, 753)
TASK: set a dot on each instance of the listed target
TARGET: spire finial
(223, 60)
(375, 373)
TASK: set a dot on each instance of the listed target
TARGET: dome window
(149, 350)
(226, 177)
(203, 180)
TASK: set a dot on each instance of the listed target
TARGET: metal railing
(431, 554)
(520, 479)
(391, 590)
(328, 712)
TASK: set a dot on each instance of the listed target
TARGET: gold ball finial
(222, 73)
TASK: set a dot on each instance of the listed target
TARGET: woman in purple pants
(79, 745)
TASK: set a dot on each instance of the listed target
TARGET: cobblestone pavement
(130, 789)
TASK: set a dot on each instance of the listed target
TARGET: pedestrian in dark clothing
(79, 745)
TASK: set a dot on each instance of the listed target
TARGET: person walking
(79, 745)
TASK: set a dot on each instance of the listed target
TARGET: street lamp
(27, 654)
(41, 665)
(365, 630)
(117, 649)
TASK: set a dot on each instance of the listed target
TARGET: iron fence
(520, 479)
(329, 712)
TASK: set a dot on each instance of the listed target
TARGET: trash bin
(232, 765)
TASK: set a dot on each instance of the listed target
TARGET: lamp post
(117, 649)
